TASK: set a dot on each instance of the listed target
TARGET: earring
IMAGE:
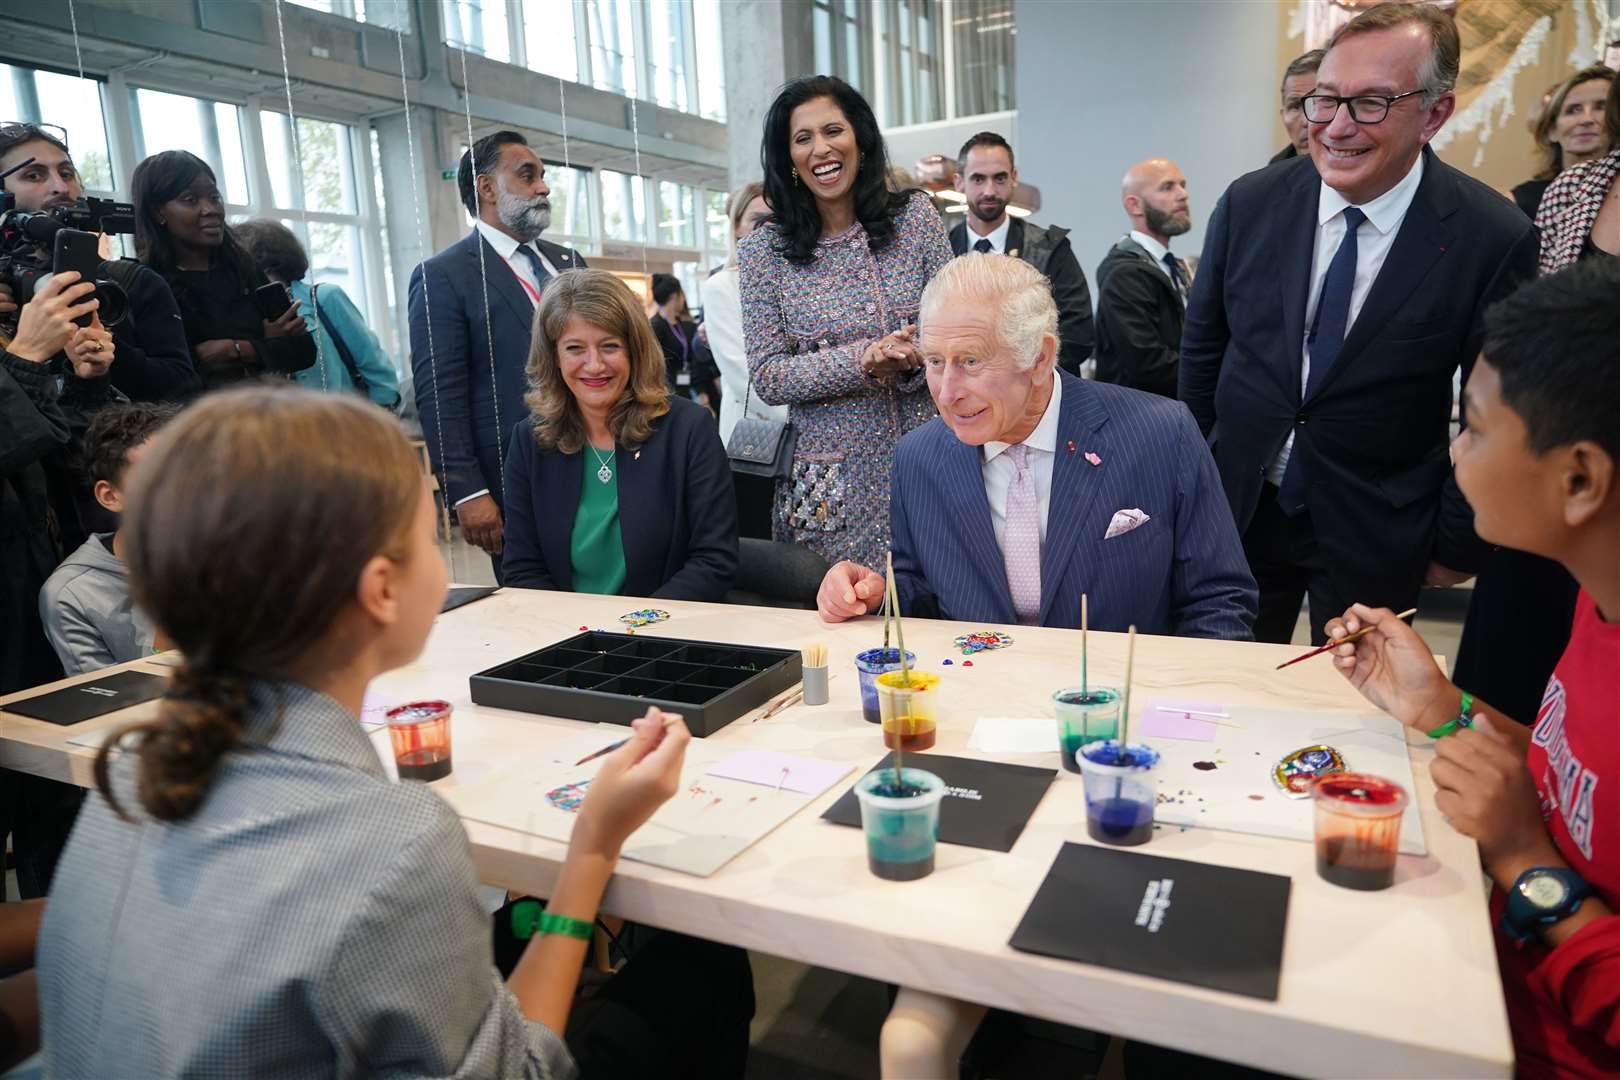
(796, 180)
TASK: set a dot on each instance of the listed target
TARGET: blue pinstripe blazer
(1182, 572)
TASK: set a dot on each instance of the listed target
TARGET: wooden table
(1396, 983)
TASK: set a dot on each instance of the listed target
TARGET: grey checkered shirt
(312, 919)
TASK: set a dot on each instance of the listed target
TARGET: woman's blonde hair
(604, 301)
(1552, 154)
(249, 521)
(737, 204)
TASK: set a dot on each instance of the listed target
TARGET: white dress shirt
(999, 471)
(507, 248)
(1157, 250)
(997, 237)
(1373, 240)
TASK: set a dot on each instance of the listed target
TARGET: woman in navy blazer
(612, 485)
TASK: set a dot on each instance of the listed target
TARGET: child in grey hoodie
(89, 616)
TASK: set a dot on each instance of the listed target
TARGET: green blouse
(597, 549)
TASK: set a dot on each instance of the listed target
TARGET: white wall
(1103, 84)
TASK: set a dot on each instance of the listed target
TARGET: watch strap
(1521, 919)
(1464, 718)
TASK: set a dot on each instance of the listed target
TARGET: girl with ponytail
(252, 895)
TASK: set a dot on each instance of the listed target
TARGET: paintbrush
(905, 674)
(1084, 619)
(1125, 706)
(1346, 640)
(887, 593)
(669, 718)
(786, 699)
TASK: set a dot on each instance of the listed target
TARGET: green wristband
(530, 919)
(1464, 718)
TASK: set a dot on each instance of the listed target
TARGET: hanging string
(298, 166)
(73, 18)
(635, 135)
(562, 99)
(425, 240)
(483, 271)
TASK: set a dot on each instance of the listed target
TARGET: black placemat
(462, 595)
(88, 700)
(987, 803)
(1211, 926)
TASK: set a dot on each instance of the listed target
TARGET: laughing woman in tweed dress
(830, 290)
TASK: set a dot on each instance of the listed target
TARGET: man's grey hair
(1018, 294)
(1438, 74)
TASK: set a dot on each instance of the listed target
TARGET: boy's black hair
(1556, 345)
(115, 431)
(665, 286)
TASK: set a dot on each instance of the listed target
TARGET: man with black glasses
(153, 360)
(1336, 298)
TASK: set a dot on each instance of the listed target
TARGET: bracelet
(1464, 718)
(530, 919)
(237, 345)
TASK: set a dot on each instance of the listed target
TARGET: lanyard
(534, 294)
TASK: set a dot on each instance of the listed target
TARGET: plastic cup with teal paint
(1084, 716)
(901, 822)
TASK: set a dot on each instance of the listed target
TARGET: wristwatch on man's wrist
(1541, 896)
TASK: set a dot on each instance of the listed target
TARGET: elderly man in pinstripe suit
(1033, 487)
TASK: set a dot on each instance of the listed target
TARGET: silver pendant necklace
(604, 474)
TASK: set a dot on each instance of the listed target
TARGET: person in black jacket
(688, 364)
(38, 526)
(1299, 79)
(1142, 287)
(180, 232)
(154, 361)
(987, 177)
(1337, 297)
(613, 485)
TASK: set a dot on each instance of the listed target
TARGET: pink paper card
(374, 710)
(1170, 718)
(809, 776)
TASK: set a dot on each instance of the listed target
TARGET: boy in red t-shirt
(1540, 463)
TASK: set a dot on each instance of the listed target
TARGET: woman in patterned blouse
(830, 288)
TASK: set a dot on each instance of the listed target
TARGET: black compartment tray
(613, 678)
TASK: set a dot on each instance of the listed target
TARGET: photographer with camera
(154, 361)
(38, 526)
(240, 325)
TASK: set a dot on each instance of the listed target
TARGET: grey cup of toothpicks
(815, 675)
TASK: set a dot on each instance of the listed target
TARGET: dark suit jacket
(154, 358)
(467, 412)
(1048, 250)
(1374, 432)
(677, 510)
(1181, 572)
(698, 359)
(1139, 316)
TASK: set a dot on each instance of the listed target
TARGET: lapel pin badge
(1093, 458)
(1071, 446)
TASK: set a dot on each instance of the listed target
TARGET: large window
(611, 25)
(666, 51)
(479, 26)
(718, 224)
(570, 205)
(910, 44)
(624, 206)
(394, 14)
(67, 102)
(842, 41)
(677, 215)
(984, 63)
(210, 129)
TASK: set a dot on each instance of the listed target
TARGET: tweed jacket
(805, 327)
(1570, 206)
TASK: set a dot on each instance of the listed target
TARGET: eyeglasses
(1364, 108)
(10, 128)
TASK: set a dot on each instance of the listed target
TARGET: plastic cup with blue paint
(901, 822)
(869, 665)
(1121, 791)
(1084, 716)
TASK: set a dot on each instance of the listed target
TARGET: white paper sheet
(1014, 735)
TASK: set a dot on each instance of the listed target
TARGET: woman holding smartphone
(239, 324)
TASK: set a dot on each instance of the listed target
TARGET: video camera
(36, 244)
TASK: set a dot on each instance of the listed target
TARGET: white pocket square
(1124, 521)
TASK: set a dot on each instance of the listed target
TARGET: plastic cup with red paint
(1358, 829)
(420, 734)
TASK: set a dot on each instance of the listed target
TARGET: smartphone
(273, 299)
(78, 250)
